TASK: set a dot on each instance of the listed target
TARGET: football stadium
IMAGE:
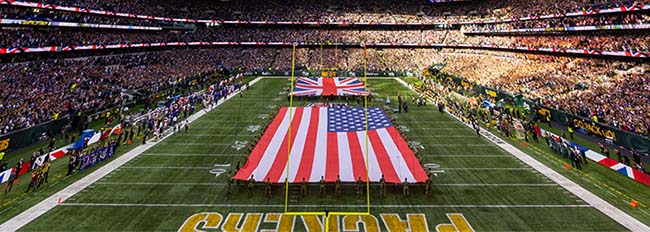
(283, 115)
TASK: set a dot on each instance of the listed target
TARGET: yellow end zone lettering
(211, 221)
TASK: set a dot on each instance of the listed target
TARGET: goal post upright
(326, 214)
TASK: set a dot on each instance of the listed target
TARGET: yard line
(211, 135)
(458, 145)
(47, 204)
(488, 169)
(191, 154)
(496, 185)
(446, 136)
(318, 206)
(467, 156)
(197, 144)
(223, 184)
(440, 128)
(163, 167)
(159, 183)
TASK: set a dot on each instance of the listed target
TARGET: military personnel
(405, 190)
(338, 186)
(303, 187)
(427, 185)
(382, 186)
(322, 186)
(229, 182)
(359, 186)
(267, 191)
(251, 184)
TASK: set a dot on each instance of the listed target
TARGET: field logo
(253, 128)
(4, 144)
(434, 168)
(213, 221)
(219, 169)
(239, 145)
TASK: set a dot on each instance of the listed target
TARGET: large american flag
(331, 142)
(336, 86)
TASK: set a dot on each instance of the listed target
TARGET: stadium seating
(552, 79)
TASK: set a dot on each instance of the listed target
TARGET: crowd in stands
(612, 91)
(64, 16)
(349, 11)
(48, 89)
(597, 20)
(43, 37)
(601, 41)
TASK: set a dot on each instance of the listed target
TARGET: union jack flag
(337, 86)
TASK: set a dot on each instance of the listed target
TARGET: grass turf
(167, 184)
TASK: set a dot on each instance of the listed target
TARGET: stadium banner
(589, 127)
(319, 73)
(604, 160)
(211, 22)
(591, 52)
(28, 136)
(252, 221)
(23, 22)
(565, 29)
(97, 156)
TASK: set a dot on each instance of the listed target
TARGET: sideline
(49, 203)
(603, 206)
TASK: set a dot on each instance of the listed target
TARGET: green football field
(176, 184)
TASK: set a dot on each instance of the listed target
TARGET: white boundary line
(603, 206)
(49, 203)
(321, 206)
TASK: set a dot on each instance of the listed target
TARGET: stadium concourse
(283, 115)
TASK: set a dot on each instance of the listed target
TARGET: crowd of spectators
(64, 16)
(348, 11)
(597, 20)
(43, 37)
(613, 91)
(48, 89)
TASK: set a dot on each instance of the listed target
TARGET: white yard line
(223, 184)
(466, 156)
(191, 154)
(319, 206)
(165, 167)
(487, 169)
(458, 145)
(49, 203)
(603, 206)
(197, 144)
(446, 136)
(212, 135)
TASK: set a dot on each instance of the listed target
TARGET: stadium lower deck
(179, 184)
